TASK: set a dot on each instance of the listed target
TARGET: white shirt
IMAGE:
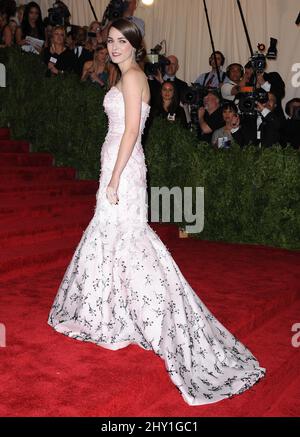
(260, 117)
(212, 77)
(266, 86)
(226, 89)
(167, 77)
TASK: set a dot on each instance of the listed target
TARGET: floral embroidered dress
(123, 287)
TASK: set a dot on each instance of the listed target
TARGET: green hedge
(251, 195)
(61, 115)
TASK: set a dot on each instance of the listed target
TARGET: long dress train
(122, 286)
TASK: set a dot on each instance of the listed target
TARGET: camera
(156, 62)
(272, 50)
(258, 62)
(194, 96)
(114, 10)
(59, 14)
(248, 100)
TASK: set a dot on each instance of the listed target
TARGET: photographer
(127, 10)
(94, 36)
(270, 82)
(170, 74)
(263, 128)
(231, 87)
(210, 79)
(210, 116)
(129, 13)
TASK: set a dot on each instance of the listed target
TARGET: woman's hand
(158, 76)
(52, 68)
(260, 80)
(112, 191)
(37, 48)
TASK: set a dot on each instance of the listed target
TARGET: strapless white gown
(122, 286)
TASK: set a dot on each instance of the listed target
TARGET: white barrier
(2, 76)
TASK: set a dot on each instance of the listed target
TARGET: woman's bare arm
(7, 37)
(132, 87)
(86, 69)
(20, 41)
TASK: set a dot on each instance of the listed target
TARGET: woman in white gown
(122, 285)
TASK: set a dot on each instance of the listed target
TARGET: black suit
(278, 89)
(291, 133)
(155, 89)
(180, 86)
(85, 56)
(270, 131)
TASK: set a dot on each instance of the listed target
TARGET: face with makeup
(119, 48)
(33, 15)
(167, 91)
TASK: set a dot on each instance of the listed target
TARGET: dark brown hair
(175, 99)
(211, 58)
(132, 33)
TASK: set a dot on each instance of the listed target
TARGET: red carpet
(253, 290)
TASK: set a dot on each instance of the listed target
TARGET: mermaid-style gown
(122, 286)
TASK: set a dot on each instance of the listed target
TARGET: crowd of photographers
(241, 104)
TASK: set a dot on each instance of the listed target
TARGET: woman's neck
(167, 103)
(126, 65)
(59, 48)
(99, 65)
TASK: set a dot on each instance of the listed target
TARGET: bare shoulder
(133, 77)
(88, 64)
(135, 80)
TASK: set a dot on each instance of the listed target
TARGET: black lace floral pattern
(122, 286)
